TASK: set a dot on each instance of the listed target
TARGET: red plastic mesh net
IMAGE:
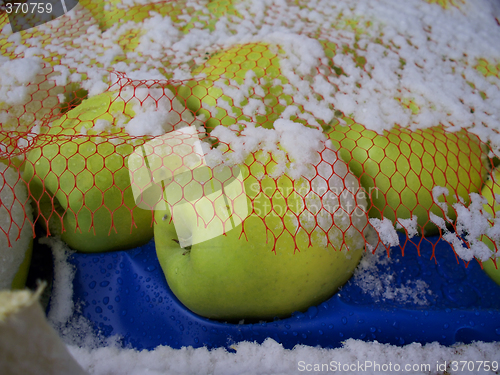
(240, 139)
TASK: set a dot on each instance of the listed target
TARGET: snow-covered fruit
(28, 93)
(400, 168)
(301, 241)
(111, 12)
(242, 83)
(78, 173)
(16, 233)
(209, 16)
(490, 189)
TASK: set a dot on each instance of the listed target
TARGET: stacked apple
(300, 242)
(16, 234)
(490, 191)
(78, 175)
(296, 238)
(33, 81)
(253, 64)
(275, 258)
(400, 168)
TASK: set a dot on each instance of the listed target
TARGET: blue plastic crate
(126, 293)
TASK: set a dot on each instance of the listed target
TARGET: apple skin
(238, 275)
(63, 169)
(492, 270)
(19, 281)
(233, 64)
(15, 260)
(400, 168)
(117, 13)
(68, 28)
(490, 188)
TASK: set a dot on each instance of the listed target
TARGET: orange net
(249, 133)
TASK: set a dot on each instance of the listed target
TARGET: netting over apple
(331, 132)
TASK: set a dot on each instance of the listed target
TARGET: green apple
(19, 280)
(488, 68)
(73, 98)
(4, 21)
(214, 10)
(28, 95)
(490, 189)
(40, 100)
(230, 104)
(16, 232)
(136, 22)
(400, 168)
(111, 12)
(264, 265)
(492, 270)
(50, 41)
(81, 182)
(28, 343)
(446, 4)
(31, 87)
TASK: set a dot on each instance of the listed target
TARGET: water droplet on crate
(312, 312)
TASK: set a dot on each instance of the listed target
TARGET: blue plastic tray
(126, 293)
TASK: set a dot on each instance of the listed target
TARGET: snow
(409, 63)
(386, 231)
(300, 144)
(380, 284)
(13, 78)
(409, 225)
(270, 358)
(105, 356)
(417, 33)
